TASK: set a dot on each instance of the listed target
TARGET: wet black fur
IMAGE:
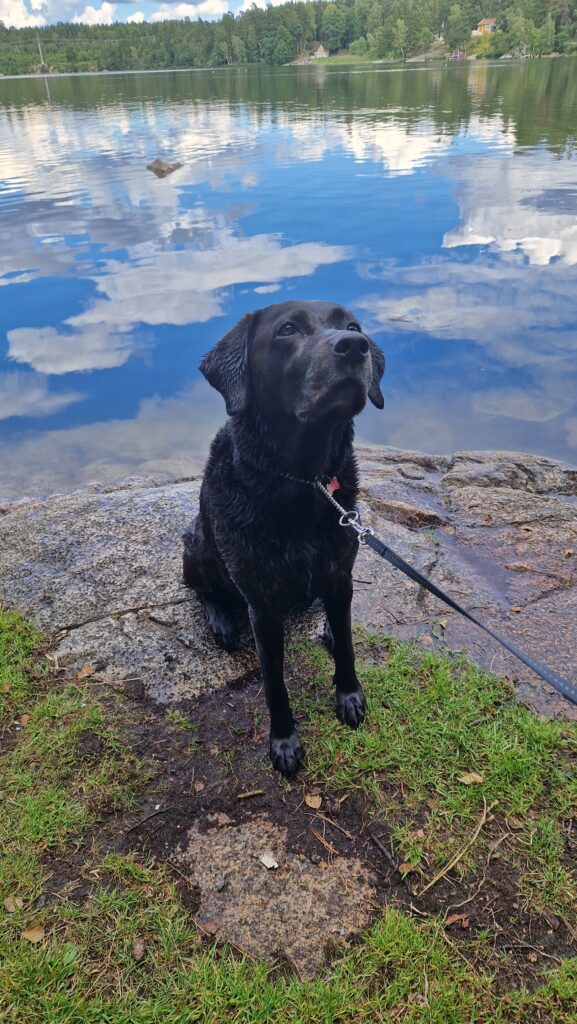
(266, 544)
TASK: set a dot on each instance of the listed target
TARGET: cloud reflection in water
(458, 244)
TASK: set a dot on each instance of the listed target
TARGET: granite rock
(99, 570)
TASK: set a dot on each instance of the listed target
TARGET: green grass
(51, 791)
(432, 721)
(130, 954)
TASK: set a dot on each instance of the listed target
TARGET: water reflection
(427, 198)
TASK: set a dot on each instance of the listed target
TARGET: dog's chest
(290, 570)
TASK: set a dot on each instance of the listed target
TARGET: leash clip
(352, 519)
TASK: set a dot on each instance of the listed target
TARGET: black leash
(366, 536)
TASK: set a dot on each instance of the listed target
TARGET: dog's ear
(378, 361)
(226, 365)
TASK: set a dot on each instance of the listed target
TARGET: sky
(21, 13)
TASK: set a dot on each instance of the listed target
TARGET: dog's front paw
(287, 754)
(351, 707)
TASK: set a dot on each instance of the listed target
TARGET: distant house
(486, 27)
(319, 51)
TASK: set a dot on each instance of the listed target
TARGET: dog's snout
(351, 346)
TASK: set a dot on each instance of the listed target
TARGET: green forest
(371, 29)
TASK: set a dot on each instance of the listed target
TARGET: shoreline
(340, 62)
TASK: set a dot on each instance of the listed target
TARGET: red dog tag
(333, 486)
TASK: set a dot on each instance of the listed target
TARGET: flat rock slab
(99, 570)
(272, 902)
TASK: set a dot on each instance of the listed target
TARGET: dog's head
(307, 360)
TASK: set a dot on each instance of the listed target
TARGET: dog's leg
(201, 573)
(286, 752)
(350, 697)
(328, 638)
(221, 622)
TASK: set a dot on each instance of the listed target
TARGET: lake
(439, 203)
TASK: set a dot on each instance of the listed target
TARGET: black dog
(293, 376)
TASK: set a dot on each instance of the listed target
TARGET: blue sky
(18, 13)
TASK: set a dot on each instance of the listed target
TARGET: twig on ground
(163, 810)
(252, 792)
(383, 849)
(330, 821)
(458, 856)
(328, 846)
(527, 945)
(494, 846)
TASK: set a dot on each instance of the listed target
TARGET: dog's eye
(354, 327)
(286, 330)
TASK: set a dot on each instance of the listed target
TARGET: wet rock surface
(99, 570)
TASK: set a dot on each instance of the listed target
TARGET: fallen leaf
(438, 628)
(211, 927)
(138, 949)
(311, 800)
(515, 823)
(425, 639)
(569, 552)
(470, 778)
(533, 957)
(517, 608)
(34, 934)
(406, 866)
(268, 860)
(85, 671)
(551, 919)
(24, 719)
(461, 919)
(198, 786)
(13, 903)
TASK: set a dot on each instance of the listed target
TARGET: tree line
(377, 29)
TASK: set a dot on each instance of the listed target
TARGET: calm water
(440, 204)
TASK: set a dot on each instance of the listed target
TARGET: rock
(289, 910)
(99, 570)
(161, 168)
(533, 473)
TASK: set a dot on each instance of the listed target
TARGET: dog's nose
(351, 346)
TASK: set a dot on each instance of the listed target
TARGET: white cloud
(524, 316)
(26, 394)
(135, 19)
(205, 9)
(50, 351)
(522, 204)
(104, 15)
(188, 286)
(167, 437)
(15, 14)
